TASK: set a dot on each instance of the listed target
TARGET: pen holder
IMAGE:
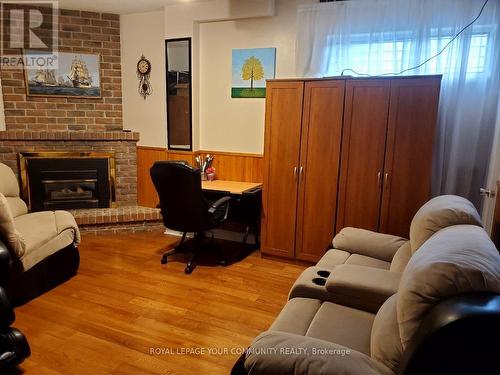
(203, 176)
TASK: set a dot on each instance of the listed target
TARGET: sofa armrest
(281, 353)
(7, 315)
(5, 263)
(361, 287)
(365, 242)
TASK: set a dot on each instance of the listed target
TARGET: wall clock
(143, 73)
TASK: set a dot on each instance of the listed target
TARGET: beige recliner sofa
(444, 318)
(366, 267)
(37, 250)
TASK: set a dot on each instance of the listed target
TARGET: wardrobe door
(363, 148)
(319, 167)
(410, 144)
(282, 147)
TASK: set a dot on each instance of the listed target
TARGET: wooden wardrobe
(344, 152)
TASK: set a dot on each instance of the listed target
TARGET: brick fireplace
(122, 145)
(86, 125)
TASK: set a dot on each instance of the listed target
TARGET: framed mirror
(179, 107)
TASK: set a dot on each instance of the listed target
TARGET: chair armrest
(281, 353)
(361, 287)
(219, 203)
(365, 242)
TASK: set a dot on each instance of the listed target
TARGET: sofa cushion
(280, 353)
(401, 258)
(17, 206)
(13, 238)
(362, 260)
(296, 316)
(361, 287)
(333, 258)
(326, 321)
(385, 344)
(342, 325)
(45, 233)
(9, 186)
(336, 257)
(365, 242)
(438, 213)
(456, 260)
(10, 189)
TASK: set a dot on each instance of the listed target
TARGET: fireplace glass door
(53, 183)
(57, 192)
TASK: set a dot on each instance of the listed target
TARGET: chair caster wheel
(164, 260)
(223, 262)
(188, 270)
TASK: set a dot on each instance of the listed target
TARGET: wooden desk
(245, 203)
(232, 187)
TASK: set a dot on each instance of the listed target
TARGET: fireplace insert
(59, 180)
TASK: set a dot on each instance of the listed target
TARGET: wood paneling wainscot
(146, 156)
(233, 166)
(228, 165)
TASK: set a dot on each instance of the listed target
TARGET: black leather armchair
(23, 286)
(14, 347)
(184, 208)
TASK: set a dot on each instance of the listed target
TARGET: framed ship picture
(78, 75)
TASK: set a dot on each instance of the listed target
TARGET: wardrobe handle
(295, 172)
(379, 175)
(386, 177)
(300, 171)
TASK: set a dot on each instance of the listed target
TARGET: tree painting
(252, 70)
(251, 67)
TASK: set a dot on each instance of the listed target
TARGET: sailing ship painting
(77, 75)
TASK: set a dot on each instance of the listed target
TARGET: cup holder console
(319, 281)
(324, 274)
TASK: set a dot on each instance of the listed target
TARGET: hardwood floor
(123, 304)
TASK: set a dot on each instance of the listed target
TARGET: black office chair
(185, 209)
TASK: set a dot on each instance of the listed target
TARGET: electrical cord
(426, 61)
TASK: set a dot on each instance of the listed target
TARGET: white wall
(238, 124)
(216, 26)
(185, 19)
(142, 33)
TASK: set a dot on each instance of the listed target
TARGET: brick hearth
(110, 220)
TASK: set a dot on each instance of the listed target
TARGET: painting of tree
(251, 69)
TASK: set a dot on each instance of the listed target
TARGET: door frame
(488, 210)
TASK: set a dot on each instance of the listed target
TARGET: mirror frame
(188, 39)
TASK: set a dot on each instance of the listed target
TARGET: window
(383, 54)
(477, 53)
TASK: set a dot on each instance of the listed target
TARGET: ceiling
(119, 6)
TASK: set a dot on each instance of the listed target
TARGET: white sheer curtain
(387, 36)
